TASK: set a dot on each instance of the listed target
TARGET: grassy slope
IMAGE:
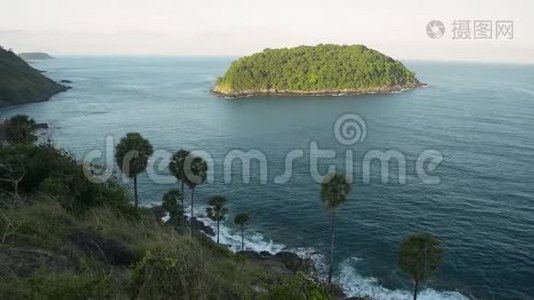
(20, 83)
(42, 225)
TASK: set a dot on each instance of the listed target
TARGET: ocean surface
(479, 118)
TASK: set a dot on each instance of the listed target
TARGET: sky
(240, 27)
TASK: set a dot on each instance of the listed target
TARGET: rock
(110, 251)
(24, 262)
(65, 81)
(251, 254)
(158, 211)
(293, 262)
(41, 126)
(265, 253)
(199, 225)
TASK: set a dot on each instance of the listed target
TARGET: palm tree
(132, 155)
(171, 205)
(20, 129)
(242, 220)
(195, 173)
(176, 167)
(334, 191)
(420, 255)
(217, 211)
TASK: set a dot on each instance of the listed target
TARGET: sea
(454, 158)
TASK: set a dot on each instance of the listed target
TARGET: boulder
(109, 250)
(293, 262)
(199, 225)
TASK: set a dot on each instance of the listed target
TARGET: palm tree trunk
(218, 231)
(415, 290)
(331, 248)
(191, 220)
(135, 191)
(242, 238)
(182, 198)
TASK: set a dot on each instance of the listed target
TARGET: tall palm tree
(132, 155)
(420, 255)
(242, 219)
(171, 205)
(334, 191)
(217, 211)
(195, 173)
(176, 167)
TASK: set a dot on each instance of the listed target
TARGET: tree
(19, 129)
(132, 155)
(176, 167)
(195, 173)
(334, 191)
(171, 205)
(420, 255)
(242, 219)
(217, 211)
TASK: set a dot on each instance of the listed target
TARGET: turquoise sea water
(480, 117)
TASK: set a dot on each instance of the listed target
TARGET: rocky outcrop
(108, 250)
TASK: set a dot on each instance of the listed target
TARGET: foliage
(298, 288)
(171, 205)
(241, 219)
(197, 172)
(217, 211)
(62, 286)
(334, 190)
(314, 68)
(19, 129)
(132, 154)
(420, 255)
(45, 170)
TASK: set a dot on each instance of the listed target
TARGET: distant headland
(34, 55)
(325, 69)
(20, 83)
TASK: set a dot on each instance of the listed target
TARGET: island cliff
(20, 83)
(315, 70)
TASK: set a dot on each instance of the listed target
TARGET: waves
(352, 282)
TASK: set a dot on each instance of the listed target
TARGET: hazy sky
(237, 27)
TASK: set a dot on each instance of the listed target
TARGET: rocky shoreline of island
(317, 93)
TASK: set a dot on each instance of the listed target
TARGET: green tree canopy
(420, 255)
(315, 69)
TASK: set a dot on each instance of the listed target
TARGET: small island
(316, 71)
(34, 55)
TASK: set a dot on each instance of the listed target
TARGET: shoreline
(317, 93)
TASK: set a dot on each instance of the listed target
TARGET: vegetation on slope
(321, 69)
(63, 236)
(20, 83)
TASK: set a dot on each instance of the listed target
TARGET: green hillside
(321, 69)
(20, 83)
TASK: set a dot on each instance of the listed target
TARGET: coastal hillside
(316, 70)
(34, 55)
(20, 83)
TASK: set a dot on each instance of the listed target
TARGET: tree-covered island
(315, 70)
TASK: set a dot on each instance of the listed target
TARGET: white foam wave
(354, 284)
